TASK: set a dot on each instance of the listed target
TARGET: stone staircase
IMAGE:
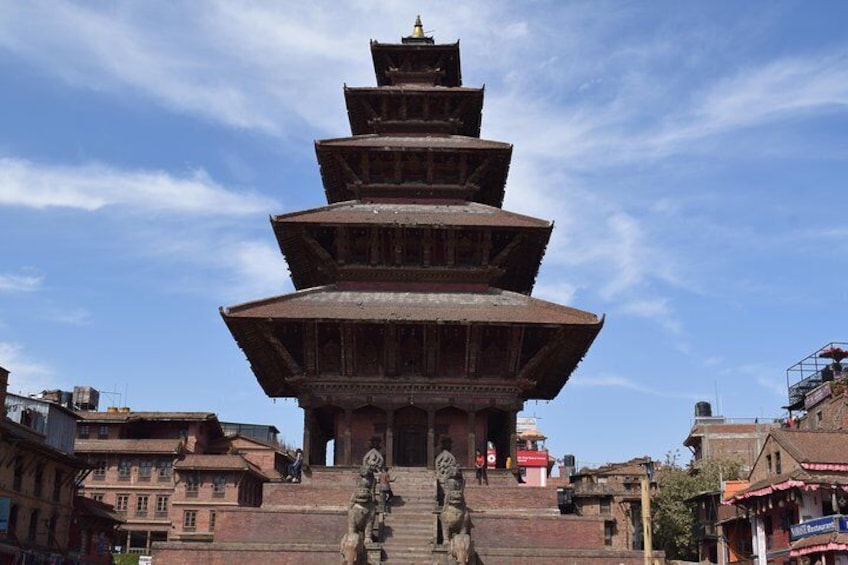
(410, 524)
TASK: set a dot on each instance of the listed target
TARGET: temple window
(414, 241)
(360, 244)
(452, 341)
(411, 351)
(330, 355)
(465, 248)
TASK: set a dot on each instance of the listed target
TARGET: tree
(672, 517)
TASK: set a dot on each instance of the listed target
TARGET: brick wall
(259, 525)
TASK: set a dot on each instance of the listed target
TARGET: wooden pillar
(347, 459)
(513, 436)
(390, 438)
(307, 436)
(472, 436)
(431, 437)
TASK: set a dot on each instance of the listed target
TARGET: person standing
(385, 481)
(480, 463)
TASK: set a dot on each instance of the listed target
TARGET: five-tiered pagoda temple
(413, 320)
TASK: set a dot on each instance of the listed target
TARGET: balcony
(704, 530)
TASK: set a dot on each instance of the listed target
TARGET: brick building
(727, 439)
(168, 473)
(613, 493)
(797, 495)
(38, 470)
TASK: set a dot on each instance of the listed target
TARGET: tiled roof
(421, 142)
(814, 446)
(494, 305)
(411, 215)
(91, 507)
(159, 416)
(163, 446)
(820, 542)
(227, 462)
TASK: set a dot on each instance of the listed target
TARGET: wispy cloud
(73, 316)
(656, 309)
(96, 186)
(27, 375)
(20, 283)
(627, 383)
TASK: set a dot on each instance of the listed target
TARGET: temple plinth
(413, 320)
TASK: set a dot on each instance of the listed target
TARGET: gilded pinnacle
(418, 29)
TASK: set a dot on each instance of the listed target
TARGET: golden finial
(418, 29)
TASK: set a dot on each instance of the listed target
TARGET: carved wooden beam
(292, 365)
(525, 373)
(502, 257)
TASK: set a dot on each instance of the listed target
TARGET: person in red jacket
(480, 463)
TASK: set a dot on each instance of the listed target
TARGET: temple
(413, 319)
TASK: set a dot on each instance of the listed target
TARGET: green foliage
(124, 559)
(673, 518)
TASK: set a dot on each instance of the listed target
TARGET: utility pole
(647, 536)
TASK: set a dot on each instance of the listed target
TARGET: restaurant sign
(823, 525)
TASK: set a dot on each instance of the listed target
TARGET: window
(166, 470)
(98, 496)
(190, 520)
(145, 467)
(124, 470)
(162, 506)
(19, 473)
(39, 480)
(103, 432)
(99, 473)
(819, 419)
(141, 505)
(121, 502)
(768, 463)
(83, 431)
(606, 506)
(777, 466)
(58, 479)
(609, 530)
(33, 526)
(192, 485)
(51, 527)
(211, 520)
(219, 486)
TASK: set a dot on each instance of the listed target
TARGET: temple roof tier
(414, 167)
(420, 109)
(490, 306)
(298, 340)
(422, 63)
(466, 242)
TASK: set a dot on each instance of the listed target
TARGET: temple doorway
(410, 449)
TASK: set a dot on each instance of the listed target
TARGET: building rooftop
(161, 446)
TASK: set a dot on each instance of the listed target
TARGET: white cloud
(26, 375)
(20, 283)
(95, 186)
(69, 316)
(617, 381)
(656, 309)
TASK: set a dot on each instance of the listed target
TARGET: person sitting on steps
(296, 468)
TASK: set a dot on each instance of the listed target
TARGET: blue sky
(691, 154)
